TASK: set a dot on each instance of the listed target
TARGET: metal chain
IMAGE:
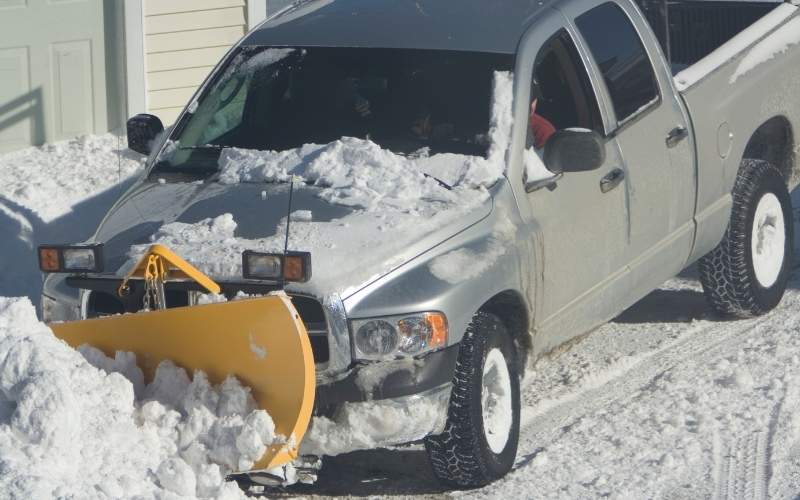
(154, 285)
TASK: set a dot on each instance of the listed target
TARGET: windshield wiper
(441, 182)
(208, 147)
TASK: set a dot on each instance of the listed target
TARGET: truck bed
(743, 97)
(690, 30)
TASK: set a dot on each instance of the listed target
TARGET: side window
(231, 97)
(621, 57)
(562, 96)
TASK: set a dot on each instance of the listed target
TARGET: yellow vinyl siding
(159, 7)
(191, 77)
(167, 115)
(180, 59)
(188, 21)
(184, 40)
(171, 97)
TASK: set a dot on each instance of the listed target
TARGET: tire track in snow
(743, 469)
(784, 428)
(625, 380)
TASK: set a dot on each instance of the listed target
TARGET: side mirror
(142, 131)
(574, 150)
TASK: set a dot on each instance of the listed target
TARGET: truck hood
(210, 224)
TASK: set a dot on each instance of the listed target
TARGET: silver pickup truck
(657, 157)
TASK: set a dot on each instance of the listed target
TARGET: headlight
(399, 336)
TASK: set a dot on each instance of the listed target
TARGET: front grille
(101, 303)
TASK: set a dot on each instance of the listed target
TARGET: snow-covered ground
(54, 194)
(665, 402)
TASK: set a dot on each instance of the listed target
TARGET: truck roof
(464, 25)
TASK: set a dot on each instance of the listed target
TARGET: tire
(465, 455)
(746, 275)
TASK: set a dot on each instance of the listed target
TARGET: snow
(466, 263)
(738, 44)
(535, 169)
(375, 424)
(52, 179)
(667, 401)
(88, 427)
(767, 49)
(56, 193)
(347, 168)
(389, 193)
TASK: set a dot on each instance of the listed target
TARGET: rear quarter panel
(727, 107)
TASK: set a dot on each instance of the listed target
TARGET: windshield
(404, 100)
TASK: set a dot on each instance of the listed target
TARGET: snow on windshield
(396, 201)
(350, 162)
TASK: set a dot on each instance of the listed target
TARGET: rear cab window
(621, 58)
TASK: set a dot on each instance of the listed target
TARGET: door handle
(612, 180)
(676, 135)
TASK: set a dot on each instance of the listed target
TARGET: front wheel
(746, 275)
(479, 443)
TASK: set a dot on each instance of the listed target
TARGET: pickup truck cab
(647, 172)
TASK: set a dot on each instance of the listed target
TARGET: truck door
(583, 217)
(653, 134)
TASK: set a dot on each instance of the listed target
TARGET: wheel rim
(768, 240)
(496, 401)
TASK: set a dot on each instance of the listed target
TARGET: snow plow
(261, 341)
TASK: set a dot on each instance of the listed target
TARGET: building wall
(184, 40)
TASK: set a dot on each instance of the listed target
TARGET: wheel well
(510, 308)
(773, 141)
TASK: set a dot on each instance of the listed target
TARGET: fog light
(71, 259)
(79, 258)
(262, 266)
(294, 266)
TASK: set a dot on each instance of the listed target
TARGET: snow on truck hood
(359, 209)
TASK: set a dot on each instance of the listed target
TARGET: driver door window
(561, 98)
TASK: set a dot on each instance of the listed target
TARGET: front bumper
(382, 404)
(378, 424)
(392, 402)
(388, 380)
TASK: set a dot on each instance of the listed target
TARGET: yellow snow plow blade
(260, 341)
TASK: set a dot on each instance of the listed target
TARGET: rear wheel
(479, 443)
(746, 275)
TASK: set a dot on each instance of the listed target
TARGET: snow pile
(352, 172)
(364, 426)
(50, 180)
(396, 200)
(69, 429)
(358, 172)
(775, 44)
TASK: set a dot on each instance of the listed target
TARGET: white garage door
(52, 71)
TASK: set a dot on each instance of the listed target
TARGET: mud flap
(261, 341)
